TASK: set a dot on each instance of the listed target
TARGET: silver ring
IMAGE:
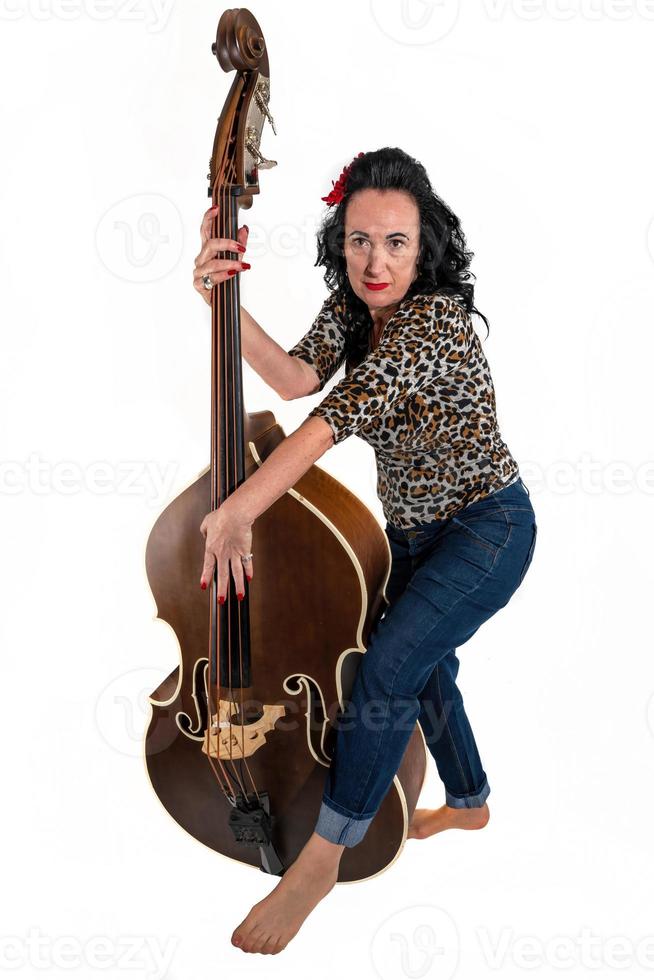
(207, 281)
(246, 557)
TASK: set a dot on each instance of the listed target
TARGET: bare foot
(271, 923)
(425, 823)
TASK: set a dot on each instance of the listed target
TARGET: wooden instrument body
(322, 562)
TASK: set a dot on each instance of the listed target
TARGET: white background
(534, 122)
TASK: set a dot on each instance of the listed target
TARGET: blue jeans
(447, 578)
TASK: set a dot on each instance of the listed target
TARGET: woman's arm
(289, 376)
(289, 461)
(228, 530)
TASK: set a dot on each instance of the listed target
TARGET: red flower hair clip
(337, 192)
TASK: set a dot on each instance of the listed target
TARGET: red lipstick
(376, 285)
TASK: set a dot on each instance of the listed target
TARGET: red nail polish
(240, 595)
(221, 599)
(232, 272)
(246, 265)
(249, 578)
(246, 228)
(241, 248)
(203, 585)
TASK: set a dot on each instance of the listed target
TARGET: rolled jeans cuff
(341, 828)
(461, 802)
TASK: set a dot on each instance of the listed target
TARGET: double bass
(241, 731)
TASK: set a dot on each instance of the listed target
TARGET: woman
(459, 521)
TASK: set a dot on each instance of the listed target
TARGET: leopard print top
(423, 398)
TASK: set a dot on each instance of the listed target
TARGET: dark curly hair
(443, 260)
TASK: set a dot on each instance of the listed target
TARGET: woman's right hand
(207, 264)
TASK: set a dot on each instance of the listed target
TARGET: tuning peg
(266, 112)
(262, 162)
(262, 97)
(252, 145)
(270, 120)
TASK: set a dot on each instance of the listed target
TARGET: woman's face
(382, 242)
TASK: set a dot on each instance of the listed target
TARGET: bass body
(322, 564)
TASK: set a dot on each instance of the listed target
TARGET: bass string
(233, 318)
(224, 434)
(227, 410)
(217, 415)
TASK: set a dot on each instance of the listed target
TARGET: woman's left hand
(228, 536)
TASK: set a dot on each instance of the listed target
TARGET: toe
(241, 931)
(246, 929)
(257, 940)
(270, 945)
